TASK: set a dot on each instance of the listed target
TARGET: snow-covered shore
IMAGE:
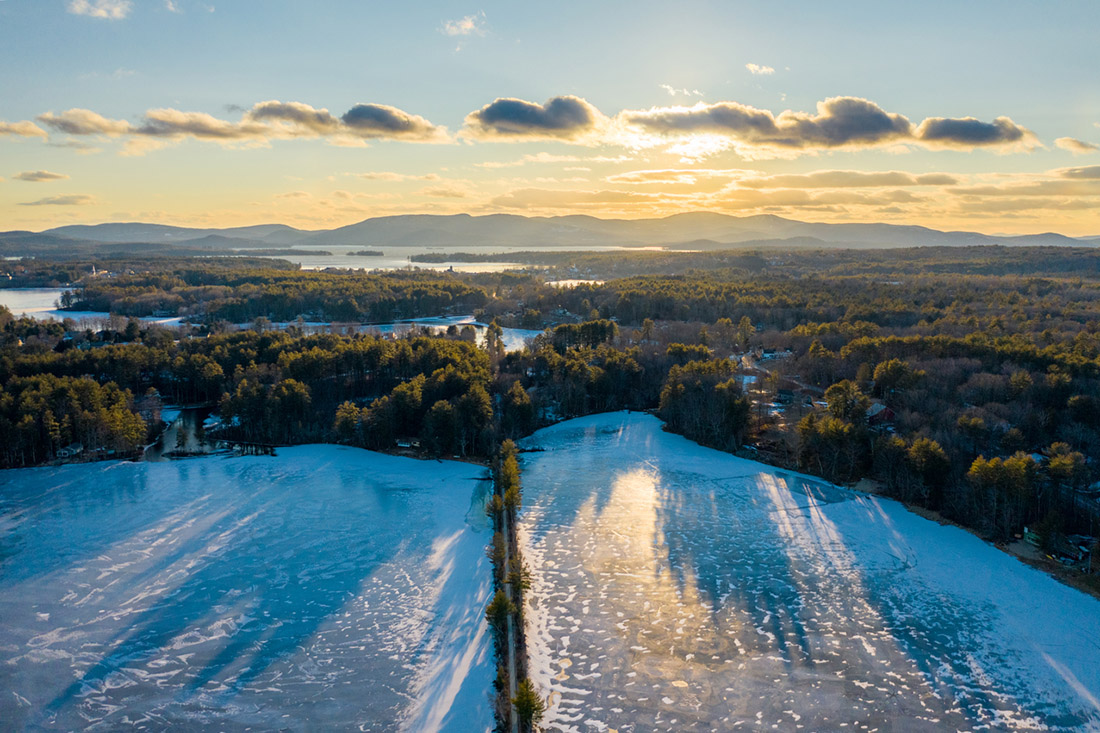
(680, 588)
(325, 588)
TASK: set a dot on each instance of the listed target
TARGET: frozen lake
(513, 339)
(327, 588)
(677, 588)
(394, 257)
(41, 304)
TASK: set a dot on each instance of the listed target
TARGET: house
(1074, 549)
(879, 414)
(70, 451)
(1071, 549)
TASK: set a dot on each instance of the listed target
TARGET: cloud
(840, 122)
(39, 176)
(395, 177)
(363, 121)
(553, 158)
(80, 147)
(740, 199)
(171, 6)
(757, 70)
(542, 198)
(1006, 205)
(172, 123)
(294, 195)
(566, 118)
(298, 116)
(26, 128)
(668, 176)
(848, 179)
(968, 132)
(467, 26)
(75, 199)
(1089, 186)
(265, 121)
(673, 91)
(110, 9)
(117, 74)
(383, 121)
(444, 192)
(1075, 146)
(1090, 173)
(84, 122)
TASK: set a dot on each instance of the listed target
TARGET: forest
(962, 380)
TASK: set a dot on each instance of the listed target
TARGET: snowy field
(677, 588)
(327, 588)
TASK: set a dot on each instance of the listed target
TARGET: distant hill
(138, 232)
(519, 231)
(697, 230)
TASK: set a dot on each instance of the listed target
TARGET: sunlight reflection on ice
(677, 588)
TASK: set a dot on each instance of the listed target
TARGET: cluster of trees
(44, 414)
(239, 295)
(795, 259)
(450, 412)
(993, 485)
(977, 353)
(702, 400)
(287, 387)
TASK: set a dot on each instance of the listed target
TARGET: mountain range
(699, 230)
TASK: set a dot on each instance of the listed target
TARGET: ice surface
(41, 304)
(326, 588)
(513, 339)
(682, 589)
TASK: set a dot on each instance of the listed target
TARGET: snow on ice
(678, 588)
(325, 588)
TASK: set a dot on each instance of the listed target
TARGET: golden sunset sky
(981, 116)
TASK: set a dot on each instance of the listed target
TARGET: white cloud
(673, 91)
(471, 25)
(110, 9)
(119, 73)
(171, 6)
(758, 70)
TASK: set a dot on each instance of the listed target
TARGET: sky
(980, 116)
